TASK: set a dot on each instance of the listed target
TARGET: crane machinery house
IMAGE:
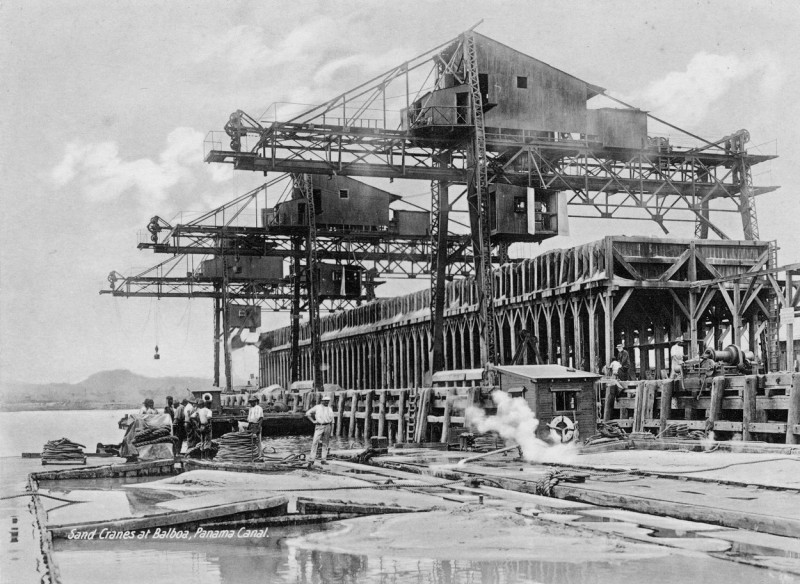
(345, 204)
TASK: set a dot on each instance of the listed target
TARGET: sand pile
(472, 532)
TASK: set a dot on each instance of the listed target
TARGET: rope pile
(63, 450)
(606, 432)
(682, 431)
(238, 446)
(153, 435)
(196, 452)
(552, 478)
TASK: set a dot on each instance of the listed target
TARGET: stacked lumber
(238, 446)
(63, 451)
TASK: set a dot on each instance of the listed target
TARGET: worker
(624, 362)
(179, 427)
(322, 417)
(255, 419)
(676, 360)
(170, 408)
(203, 415)
(189, 424)
(148, 407)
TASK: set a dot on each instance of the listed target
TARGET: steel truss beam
(386, 255)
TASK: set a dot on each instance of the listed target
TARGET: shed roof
(591, 88)
(545, 372)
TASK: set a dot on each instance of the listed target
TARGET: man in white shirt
(322, 416)
(204, 428)
(255, 416)
(189, 424)
(676, 358)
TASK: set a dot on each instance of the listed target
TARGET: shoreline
(62, 406)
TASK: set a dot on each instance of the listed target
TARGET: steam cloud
(516, 424)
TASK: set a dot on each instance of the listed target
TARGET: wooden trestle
(742, 407)
(577, 302)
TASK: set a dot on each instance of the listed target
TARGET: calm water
(282, 556)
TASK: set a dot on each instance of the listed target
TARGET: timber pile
(238, 446)
(63, 451)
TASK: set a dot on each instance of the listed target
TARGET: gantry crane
(453, 144)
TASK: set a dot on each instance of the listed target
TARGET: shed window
(520, 205)
(344, 193)
(565, 400)
(522, 82)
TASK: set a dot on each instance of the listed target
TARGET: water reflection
(281, 557)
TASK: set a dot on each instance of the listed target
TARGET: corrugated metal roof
(545, 372)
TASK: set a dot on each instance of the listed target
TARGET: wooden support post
(793, 418)
(422, 413)
(737, 315)
(608, 322)
(608, 408)
(649, 401)
(382, 414)
(368, 415)
(749, 405)
(351, 431)
(341, 395)
(717, 393)
(639, 407)
(666, 403)
(448, 412)
(591, 306)
(401, 416)
(788, 303)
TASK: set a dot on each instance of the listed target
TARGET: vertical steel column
(440, 208)
(217, 302)
(304, 183)
(226, 352)
(294, 330)
(479, 207)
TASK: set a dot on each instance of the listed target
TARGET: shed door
(462, 107)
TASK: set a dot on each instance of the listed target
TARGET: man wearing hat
(322, 416)
(624, 362)
(203, 417)
(255, 417)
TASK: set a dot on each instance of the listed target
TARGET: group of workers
(191, 421)
(620, 367)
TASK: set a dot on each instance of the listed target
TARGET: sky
(104, 107)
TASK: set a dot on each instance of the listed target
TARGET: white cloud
(359, 67)
(688, 96)
(248, 48)
(101, 174)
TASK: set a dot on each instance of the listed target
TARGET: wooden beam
(621, 302)
(676, 266)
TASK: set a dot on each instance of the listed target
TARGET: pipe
(463, 461)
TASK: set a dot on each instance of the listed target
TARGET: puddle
(671, 533)
(747, 550)
(596, 519)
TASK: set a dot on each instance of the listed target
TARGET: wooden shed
(340, 203)
(562, 399)
(243, 268)
(519, 92)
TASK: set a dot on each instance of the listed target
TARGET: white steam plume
(516, 424)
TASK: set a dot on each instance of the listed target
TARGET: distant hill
(105, 390)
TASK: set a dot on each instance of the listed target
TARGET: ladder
(411, 426)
